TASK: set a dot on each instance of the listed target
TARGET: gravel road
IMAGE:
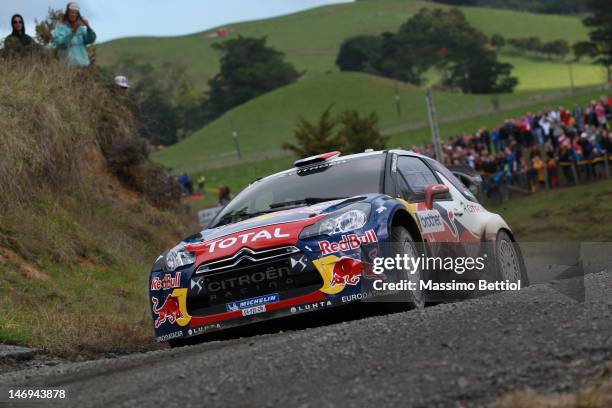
(458, 354)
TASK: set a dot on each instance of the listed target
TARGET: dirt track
(459, 354)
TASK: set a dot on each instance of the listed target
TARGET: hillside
(78, 231)
(311, 40)
(562, 214)
(264, 123)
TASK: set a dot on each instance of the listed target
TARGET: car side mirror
(432, 191)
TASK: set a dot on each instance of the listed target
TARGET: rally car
(305, 239)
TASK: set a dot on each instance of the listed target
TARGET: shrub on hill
(600, 35)
(535, 6)
(440, 39)
(356, 134)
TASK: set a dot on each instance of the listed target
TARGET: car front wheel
(509, 261)
(403, 244)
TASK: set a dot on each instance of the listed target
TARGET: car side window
(413, 177)
(455, 181)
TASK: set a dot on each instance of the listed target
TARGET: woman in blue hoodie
(72, 36)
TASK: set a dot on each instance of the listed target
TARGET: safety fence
(501, 186)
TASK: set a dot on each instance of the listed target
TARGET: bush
(356, 134)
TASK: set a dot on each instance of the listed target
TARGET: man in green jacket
(72, 36)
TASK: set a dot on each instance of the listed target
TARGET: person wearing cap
(121, 84)
(72, 36)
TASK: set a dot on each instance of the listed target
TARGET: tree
(157, 118)
(559, 48)
(46, 26)
(402, 60)
(316, 138)
(600, 44)
(482, 75)
(497, 41)
(537, 6)
(361, 53)
(360, 133)
(357, 133)
(249, 68)
(438, 38)
(583, 49)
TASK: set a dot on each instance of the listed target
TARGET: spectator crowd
(547, 148)
(70, 36)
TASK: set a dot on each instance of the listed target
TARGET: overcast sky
(125, 18)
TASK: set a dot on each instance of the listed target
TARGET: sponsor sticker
(203, 329)
(473, 208)
(252, 302)
(311, 306)
(167, 282)
(347, 271)
(254, 310)
(172, 310)
(431, 221)
(347, 242)
(381, 209)
(246, 238)
(170, 336)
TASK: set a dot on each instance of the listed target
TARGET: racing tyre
(509, 260)
(403, 244)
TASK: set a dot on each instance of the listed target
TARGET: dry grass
(49, 123)
(77, 235)
(596, 396)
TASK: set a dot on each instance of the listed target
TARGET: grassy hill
(264, 123)
(76, 241)
(562, 214)
(311, 40)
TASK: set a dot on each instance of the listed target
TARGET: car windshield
(318, 183)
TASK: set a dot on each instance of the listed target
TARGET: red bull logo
(346, 272)
(348, 242)
(170, 311)
(167, 282)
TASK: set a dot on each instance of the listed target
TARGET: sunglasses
(17, 22)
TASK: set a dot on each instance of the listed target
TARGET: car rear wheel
(509, 261)
(402, 244)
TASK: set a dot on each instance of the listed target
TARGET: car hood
(277, 217)
(268, 230)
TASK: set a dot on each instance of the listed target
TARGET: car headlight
(347, 219)
(177, 257)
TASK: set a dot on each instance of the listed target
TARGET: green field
(569, 214)
(264, 123)
(311, 39)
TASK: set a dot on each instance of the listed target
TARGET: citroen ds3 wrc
(304, 240)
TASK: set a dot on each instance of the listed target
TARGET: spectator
(72, 36)
(18, 41)
(578, 138)
(578, 115)
(185, 181)
(224, 195)
(606, 141)
(600, 113)
(553, 176)
(121, 84)
(202, 185)
(540, 167)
